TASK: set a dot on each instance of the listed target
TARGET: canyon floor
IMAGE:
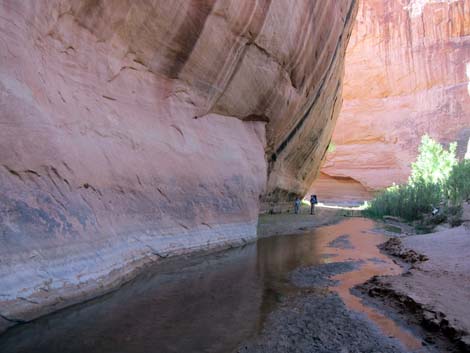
(434, 291)
(290, 223)
(330, 288)
(430, 298)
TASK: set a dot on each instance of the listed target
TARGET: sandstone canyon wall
(134, 130)
(407, 74)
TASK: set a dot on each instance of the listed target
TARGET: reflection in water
(203, 304)
(364, 248)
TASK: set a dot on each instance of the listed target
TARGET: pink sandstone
(134, 130)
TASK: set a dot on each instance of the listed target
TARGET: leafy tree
(458, 184)
(436, 176)
(434, 163)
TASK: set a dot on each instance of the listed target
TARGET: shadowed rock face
(407, 74)
(132, 130)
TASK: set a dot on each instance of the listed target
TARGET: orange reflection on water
(364, 247)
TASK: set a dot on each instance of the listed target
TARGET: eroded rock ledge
(134, 130)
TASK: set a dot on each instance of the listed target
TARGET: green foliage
(331, 147)
(434, 163)
(454, 215)
(458, 184)
(436, 178)
(408, 201)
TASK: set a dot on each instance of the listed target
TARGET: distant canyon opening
(406, 75)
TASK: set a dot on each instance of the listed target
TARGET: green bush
(437, 178)
(434, 163)
(454, 215)
(407, 201)
(458, 184)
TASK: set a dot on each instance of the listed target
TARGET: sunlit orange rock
(407, 74)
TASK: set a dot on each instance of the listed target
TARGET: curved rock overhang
(134, 130)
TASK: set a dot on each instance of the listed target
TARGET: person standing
(313, 202)
(297, 205)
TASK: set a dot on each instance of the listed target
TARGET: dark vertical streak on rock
(261, 12)
(293, 68)
(299, 125)
(188, 34)
(260, 17)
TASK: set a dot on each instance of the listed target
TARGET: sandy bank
(290, 223)
(436, 287)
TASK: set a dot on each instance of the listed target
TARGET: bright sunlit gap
(342, 207)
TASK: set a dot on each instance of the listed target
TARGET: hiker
(296, 205)
(313, 202)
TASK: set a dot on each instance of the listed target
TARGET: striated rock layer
(407, 74)
(134, 130)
